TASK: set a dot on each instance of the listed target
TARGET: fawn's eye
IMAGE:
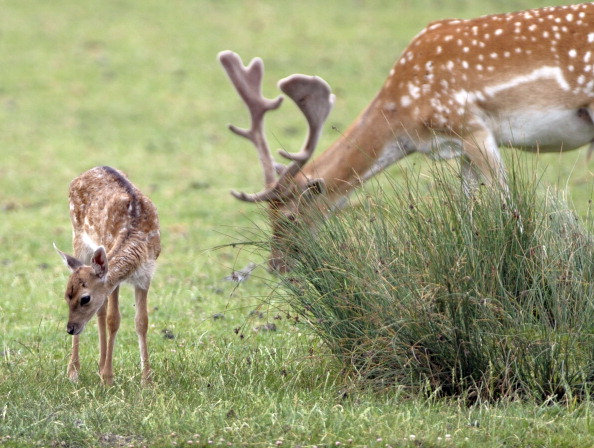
(85, 299)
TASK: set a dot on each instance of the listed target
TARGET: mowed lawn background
(136, 85)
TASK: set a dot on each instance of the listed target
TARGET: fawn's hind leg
(141, 322)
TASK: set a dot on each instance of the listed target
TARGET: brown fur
(116, 239)
(462, 88)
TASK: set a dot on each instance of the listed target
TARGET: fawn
(116, 239)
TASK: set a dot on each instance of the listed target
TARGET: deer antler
(312, 96)
(248, 83)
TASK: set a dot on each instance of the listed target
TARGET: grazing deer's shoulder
(454, 64)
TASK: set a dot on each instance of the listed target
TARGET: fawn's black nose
(72, 328)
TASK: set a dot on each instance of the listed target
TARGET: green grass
(429, 289)
(136, 85)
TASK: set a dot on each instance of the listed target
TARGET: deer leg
(113, 325)
(102, 326)
(141, 322)
(74, 363)
(482, 160)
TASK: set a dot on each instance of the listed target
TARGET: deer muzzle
(74, 328)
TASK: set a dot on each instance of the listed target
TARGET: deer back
(107, 210)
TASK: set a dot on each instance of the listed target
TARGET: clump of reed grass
(477, 296)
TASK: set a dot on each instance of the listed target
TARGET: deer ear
(69, 260)
(99, 262)
(316, 187)
(313, 189)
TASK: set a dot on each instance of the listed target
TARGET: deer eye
(85, 299)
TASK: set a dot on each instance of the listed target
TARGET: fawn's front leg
(141, 322)
(112, 325)
(102, 327)
(74, 363)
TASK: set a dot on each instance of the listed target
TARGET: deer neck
(375, 140)
(130, 259)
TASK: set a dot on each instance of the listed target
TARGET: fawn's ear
(99, 262)
(69, 260)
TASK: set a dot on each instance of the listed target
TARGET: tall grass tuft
(437, 291)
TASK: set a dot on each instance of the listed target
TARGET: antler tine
(248, 83)
(314, 98)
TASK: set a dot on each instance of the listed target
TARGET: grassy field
(136, 85)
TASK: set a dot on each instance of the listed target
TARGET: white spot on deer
(572, 53)
(389, 106)
(438, 50)
(414, 90)
(587, 56)
(498, 32)
(590, 37)
(405, 101)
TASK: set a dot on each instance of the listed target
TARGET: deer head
(87, 288)
(288, 192)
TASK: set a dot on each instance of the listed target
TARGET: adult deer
(116, 239)
(460, 88)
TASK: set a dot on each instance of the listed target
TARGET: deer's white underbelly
(545, 130)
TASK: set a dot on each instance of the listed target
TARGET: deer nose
(71, 328)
